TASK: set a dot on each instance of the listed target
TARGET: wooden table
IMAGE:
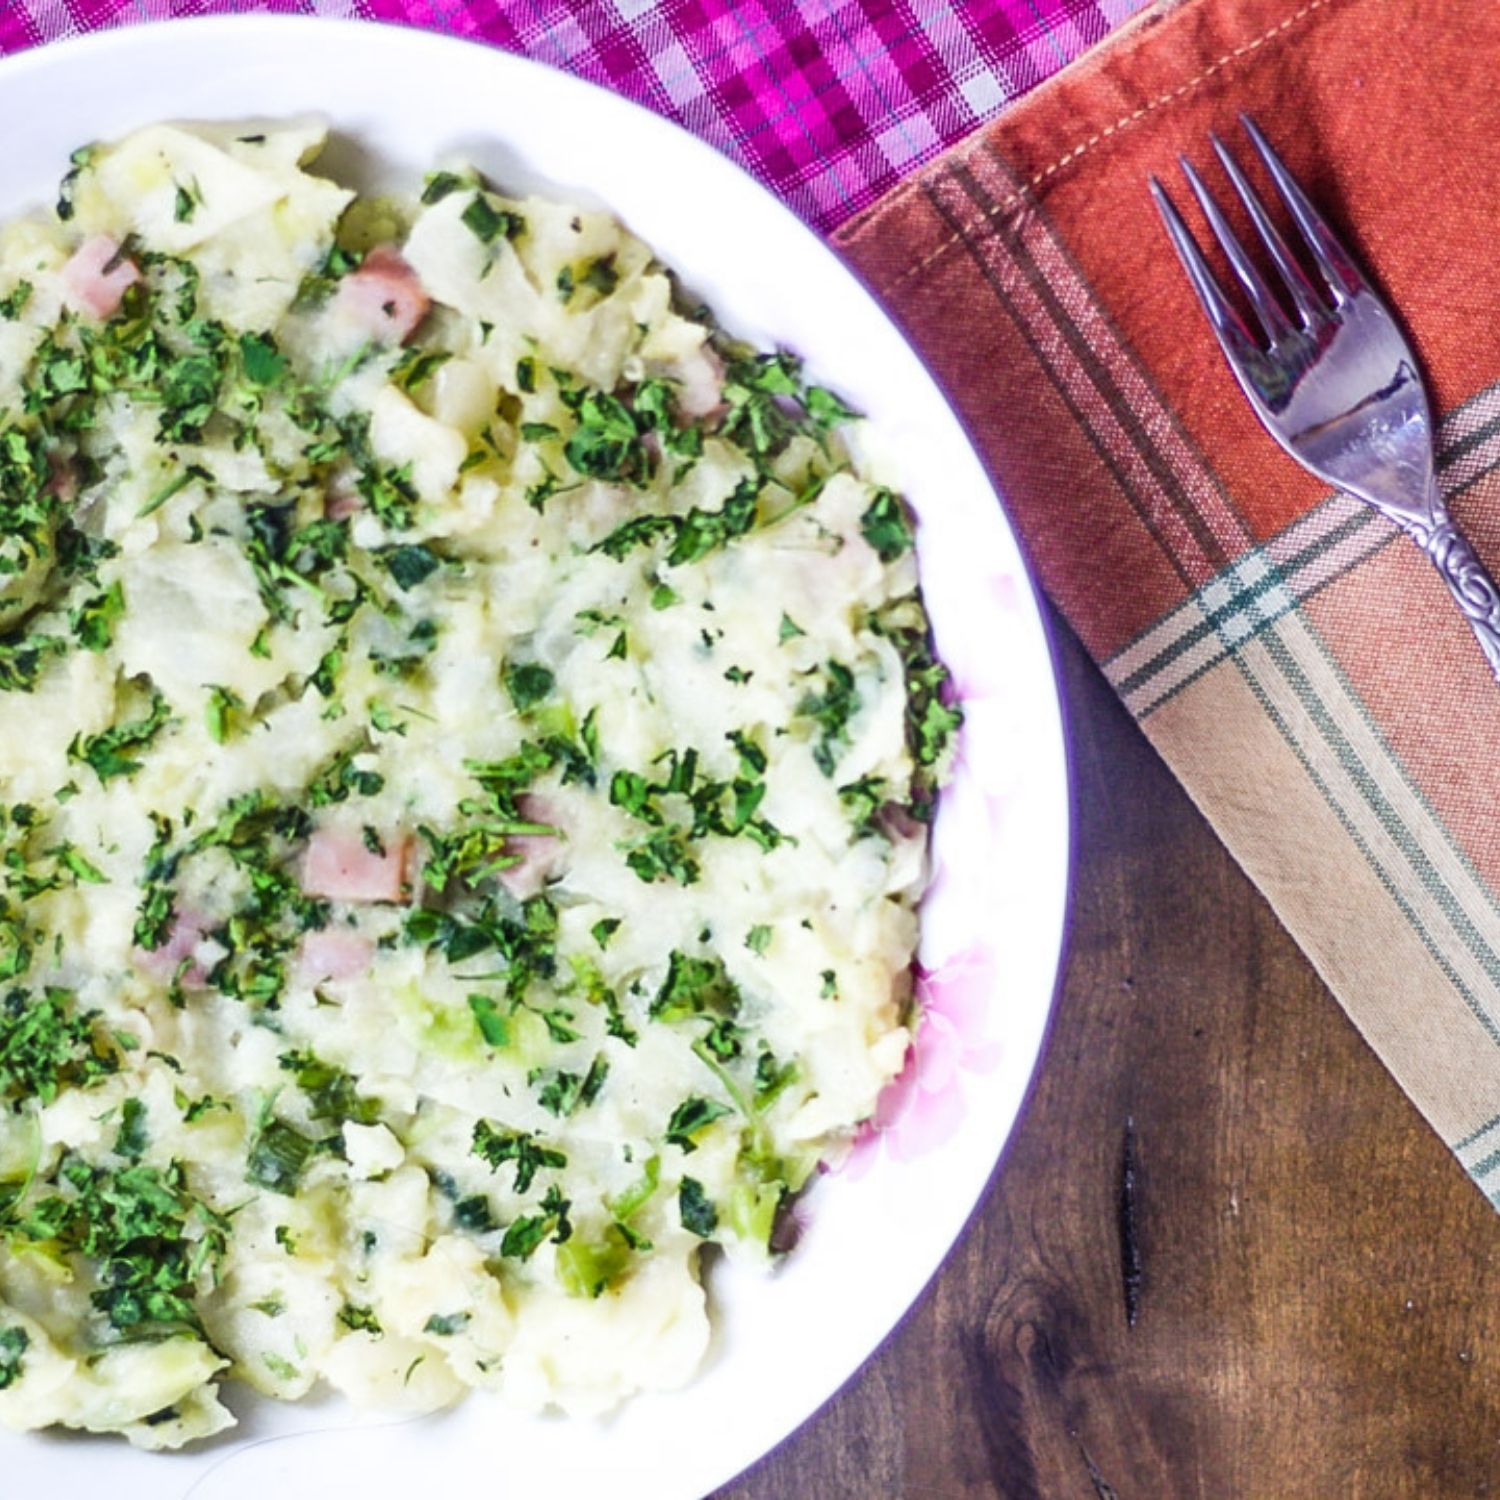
(1317, 1309)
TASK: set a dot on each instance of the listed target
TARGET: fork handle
(1468, 580)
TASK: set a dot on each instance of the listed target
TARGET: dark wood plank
(1317, 1308)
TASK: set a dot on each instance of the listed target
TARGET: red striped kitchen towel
(1296, 661)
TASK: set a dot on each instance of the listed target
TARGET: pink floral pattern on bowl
(922, 1107)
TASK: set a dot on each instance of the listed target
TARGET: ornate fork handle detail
(1469, 582)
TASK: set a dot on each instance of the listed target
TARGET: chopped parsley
(278, 1157)
(114, 752)
(93, 620)
(47, 1045)
(525, 1153)
(694, 1208)
(528, 683)
(565, 1093)
(831, 711)
(13, 304)
(14, 1342)
(690, 1119)
(525, 1234)
(886, 527)
(149, 1238)
(488, 223)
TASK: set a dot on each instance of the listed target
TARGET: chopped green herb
(697, 1213)
(13, 304)
(93, 621)
(831, 710)
(886, 526)
(417, 366)
(525, 1234)
(277, 1158)
(221, 712)
(112, 752)
(440, 185)
(46, 1046)
(527, 683)
(332, 1093)
(565, 1093)
(14, 1342)
(360, 1319)
(492, 1025)
(264, 365)
(524, 1152)
(131, 1139)
(690, 1119)
(488, 223)
(410, 565)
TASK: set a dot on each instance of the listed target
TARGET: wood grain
(1317, 1309)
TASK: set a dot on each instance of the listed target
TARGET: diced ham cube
(701, 393)
(334, 953)
(339, 864)
(64, 479)
(339, 504)
(97, 277)
(187, 931)
(541, 854)
(383, 297)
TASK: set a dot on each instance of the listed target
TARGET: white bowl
(876, 1232)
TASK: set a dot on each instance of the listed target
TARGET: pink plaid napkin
(828, 102)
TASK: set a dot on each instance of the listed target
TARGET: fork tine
(1227, 323)
(1267, 308)
(1344, 278)
(1299, 288)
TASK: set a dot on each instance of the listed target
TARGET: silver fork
(1338, 387)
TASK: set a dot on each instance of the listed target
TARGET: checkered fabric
(828, 102)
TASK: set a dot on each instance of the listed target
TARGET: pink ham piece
(97, 277)
(340, 503)
(383, 297)
(188, 929)
(340, 866)
(701, 393)
(541, 854)
(334, 953)
(63, 483)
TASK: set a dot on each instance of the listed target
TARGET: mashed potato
(467, 733)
